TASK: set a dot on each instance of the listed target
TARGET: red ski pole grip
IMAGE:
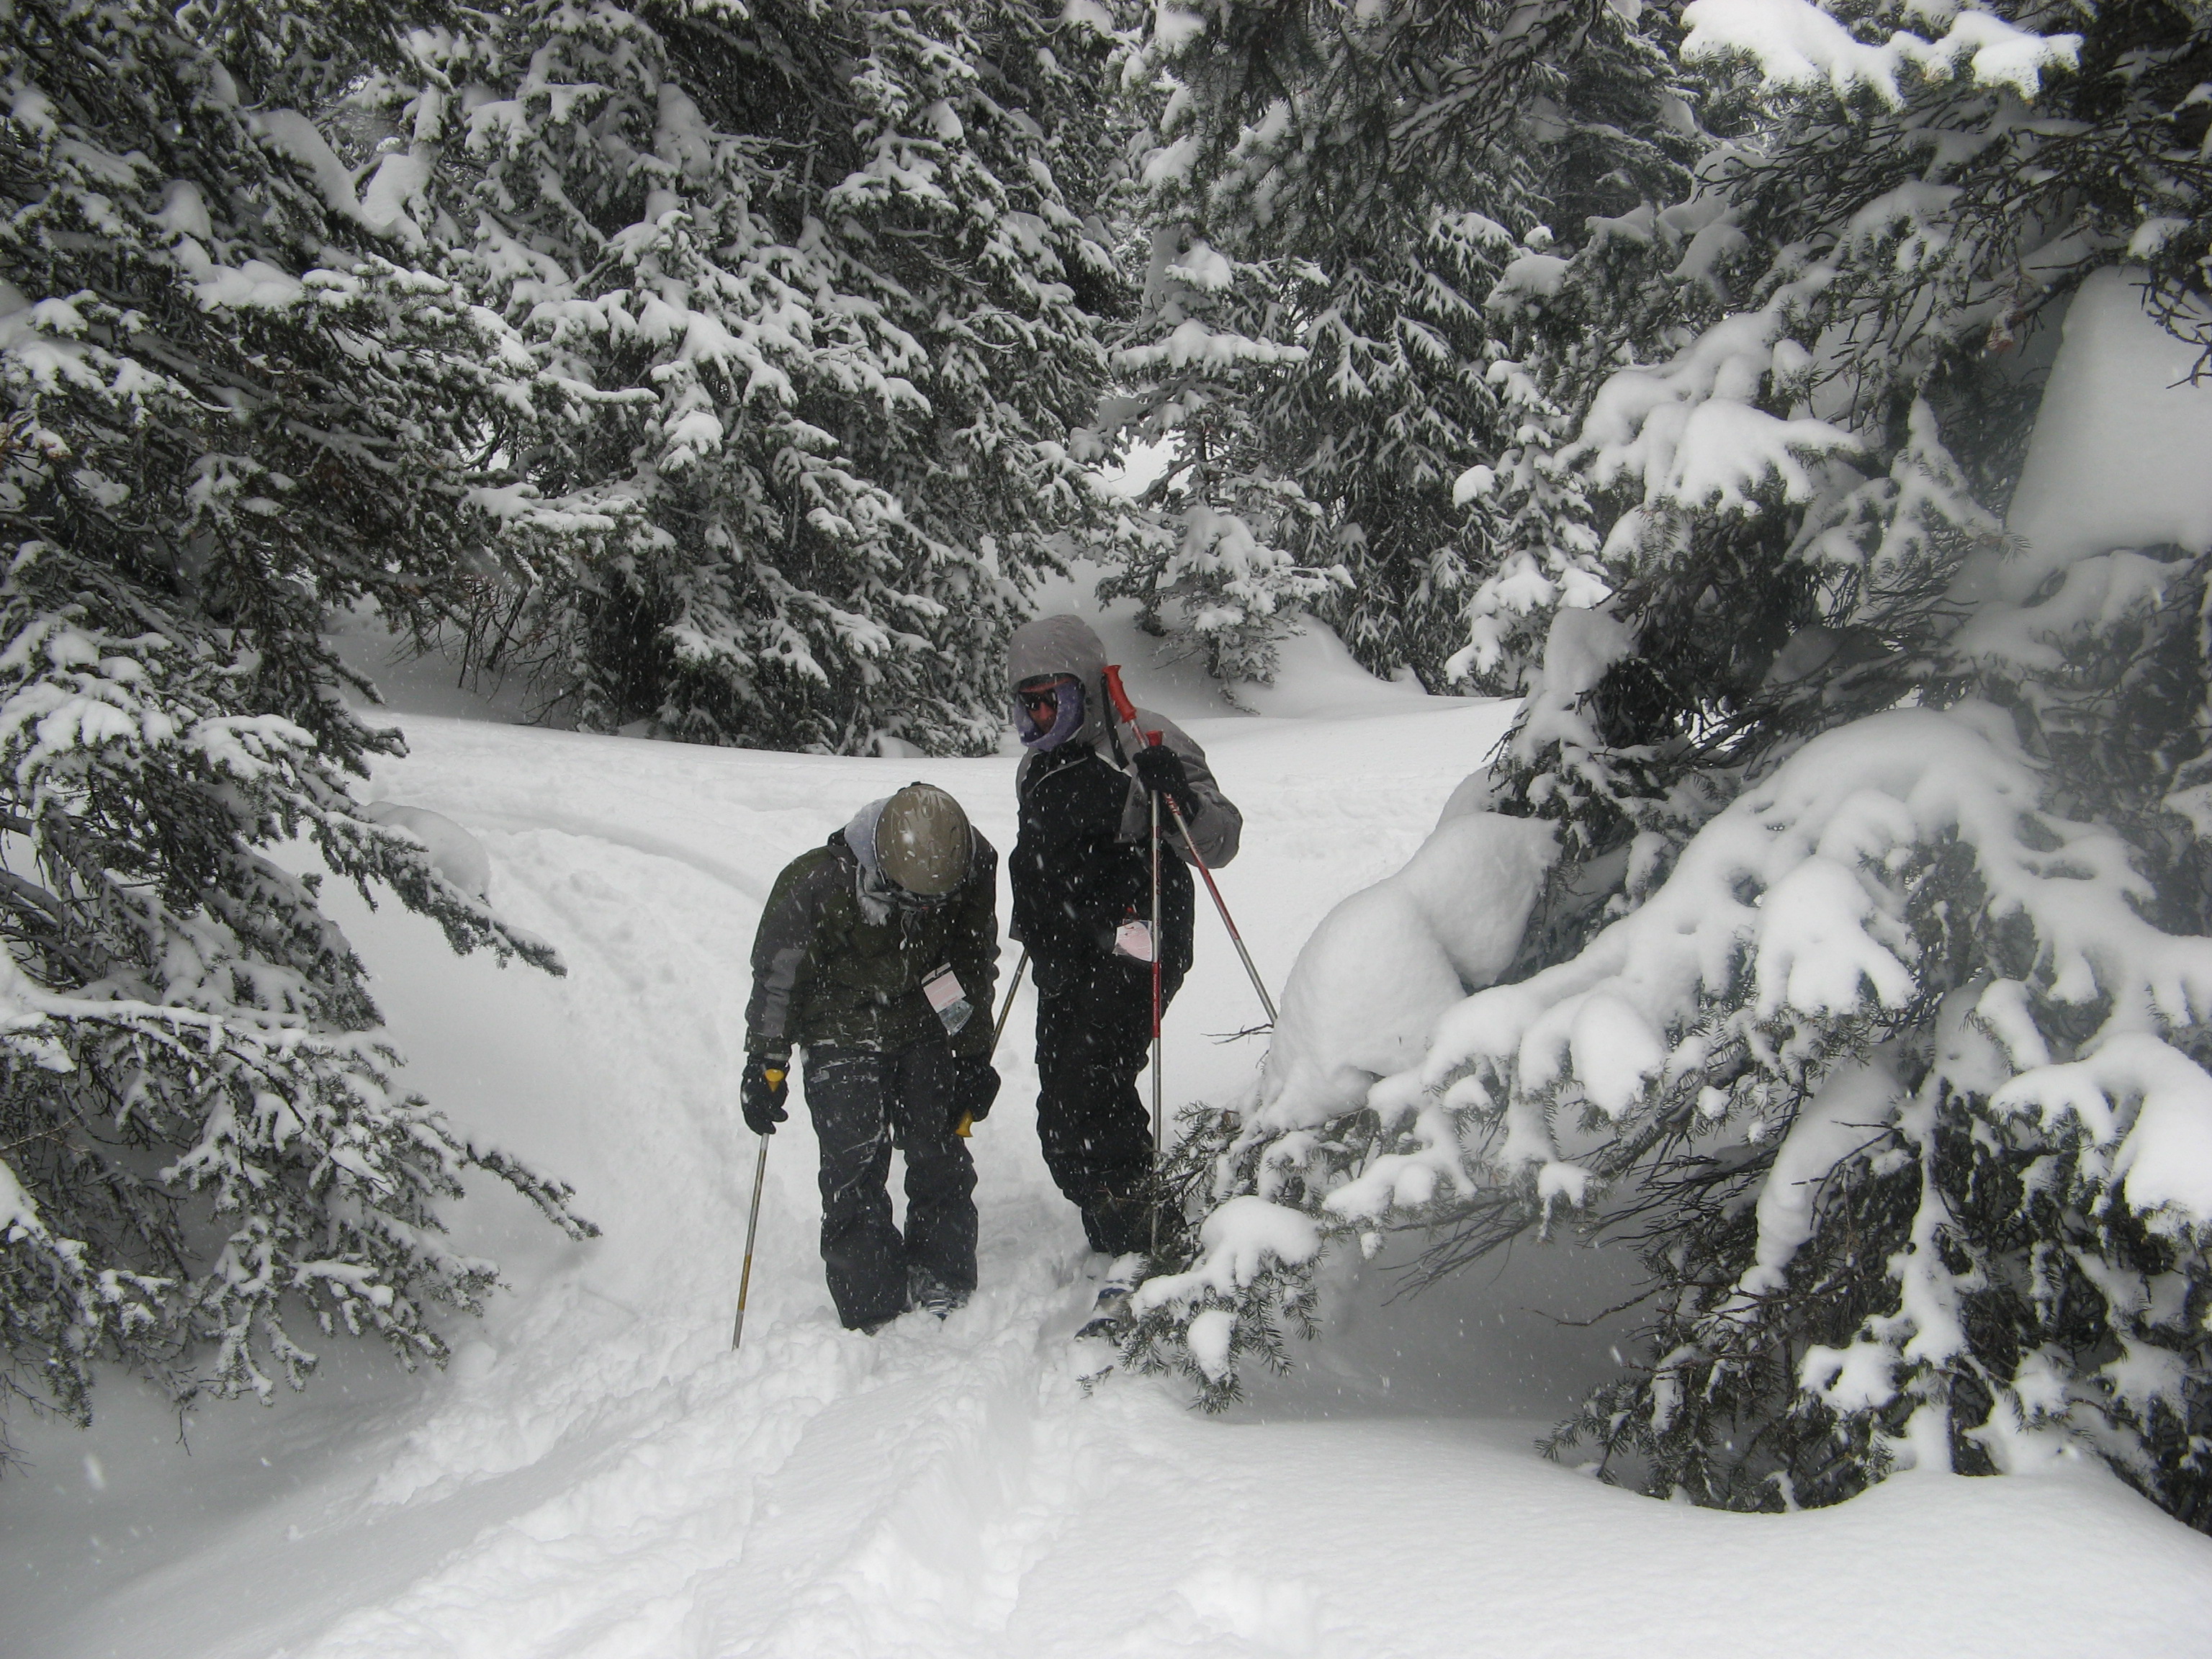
(1119, 696)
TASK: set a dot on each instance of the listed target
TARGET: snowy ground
(598, 1475)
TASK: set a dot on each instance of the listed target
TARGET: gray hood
(1064, 645)
(871, 888)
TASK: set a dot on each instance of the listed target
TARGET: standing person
(875, 955)
(1082, 884)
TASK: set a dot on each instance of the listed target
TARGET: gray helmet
(923, 842)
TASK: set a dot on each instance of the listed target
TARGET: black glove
(974, 1086)
(763, 1093)
(1160, 770)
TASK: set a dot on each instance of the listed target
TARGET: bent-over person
(875, 958)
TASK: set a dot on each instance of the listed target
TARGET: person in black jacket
(876, 954)
(1081, 873)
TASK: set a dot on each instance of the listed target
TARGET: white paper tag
(1134, 938)
(942, 990)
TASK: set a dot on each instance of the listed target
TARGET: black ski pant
(863, 1104)
(1094, 1036)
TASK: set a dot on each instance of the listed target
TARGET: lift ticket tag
(945, 996)
(1134, 938)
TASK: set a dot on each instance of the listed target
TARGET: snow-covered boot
(1109, 1311)
(927, 1293)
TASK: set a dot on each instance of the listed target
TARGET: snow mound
(1386, 962)
(2122, 454)
(455, 854)
(1317, 678)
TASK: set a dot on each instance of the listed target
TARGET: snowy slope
(598, 1475)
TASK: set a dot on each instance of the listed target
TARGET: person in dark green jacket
(875, 955)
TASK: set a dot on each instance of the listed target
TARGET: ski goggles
(1041, 702)
(1047, 714)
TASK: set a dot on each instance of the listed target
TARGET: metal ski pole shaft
(1007, 1008)
(1128, 712)
(752, 1227)
(1227, 920)
(966, 1128)
(1159, 1115)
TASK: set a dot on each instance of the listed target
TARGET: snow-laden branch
(1691, 430)
(1798, 43)
(1796, 893)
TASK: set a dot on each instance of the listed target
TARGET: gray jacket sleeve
(782, 947)
(1219, 828)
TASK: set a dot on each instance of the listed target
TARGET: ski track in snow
(615, 834)
(598, 1476)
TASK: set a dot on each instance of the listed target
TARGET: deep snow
(598, 1475)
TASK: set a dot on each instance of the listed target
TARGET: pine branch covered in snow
(1910, 1290)
(1223, 548)
(1869, 995)
(1335, 194)
(806, 297)
(227, 410)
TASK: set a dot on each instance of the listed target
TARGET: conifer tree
(1870, 997)
(1224, 540)
(1377, 168)
(227, 410)
(820, 281)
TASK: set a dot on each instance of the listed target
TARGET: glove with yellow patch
(762, 1096)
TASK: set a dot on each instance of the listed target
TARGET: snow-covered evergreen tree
(819, 281)
(1221, 549)
(1378, 168)
(227, 410)
(1869, 998)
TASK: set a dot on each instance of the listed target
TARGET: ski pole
(1007, 1008)
(1158, 1114)
(752, 1227)
(966, 1128)
(1128, 711)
